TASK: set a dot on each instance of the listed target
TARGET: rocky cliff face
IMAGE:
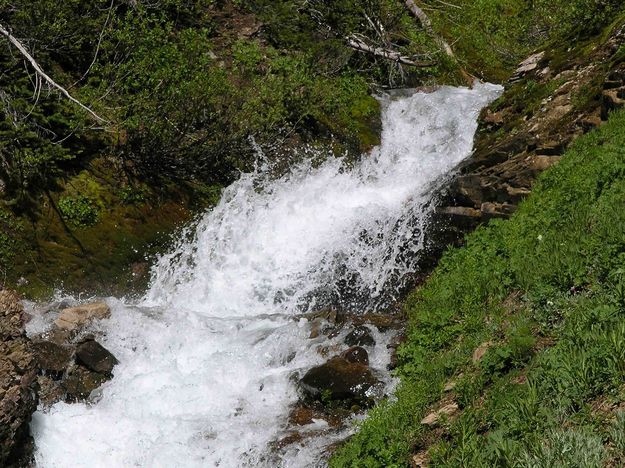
(18, 384)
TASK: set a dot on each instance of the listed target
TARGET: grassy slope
(547, 289)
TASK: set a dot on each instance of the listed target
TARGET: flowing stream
(207, 357)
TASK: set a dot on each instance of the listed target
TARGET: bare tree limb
(18, 45)
(359, 45)
(427, 25)
(97, 49)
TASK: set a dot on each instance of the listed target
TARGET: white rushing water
(206, 357)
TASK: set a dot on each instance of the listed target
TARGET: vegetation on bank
(544, 294)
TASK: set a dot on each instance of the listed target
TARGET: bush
(80, 211)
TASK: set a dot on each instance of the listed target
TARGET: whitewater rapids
(206, 358)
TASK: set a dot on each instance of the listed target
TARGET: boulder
(338, 380)
(75, 317)
(52, 358)
(360, 336)
(50, 391)
(435, 417)
(18, 384)
(356, 355)
(80, 382)
(95, 357)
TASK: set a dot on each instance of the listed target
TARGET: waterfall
(206, 358)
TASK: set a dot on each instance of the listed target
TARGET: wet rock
(463, 217)
(55, 335)
(74, 317)
(56, 306)
(95, 357)
(383, 322)
(315, 328)
(50, 391)
(292, 438)
(356, 355)
(338, 380)
(326, 351)
(52, 358)
(301, 416)
(435, 417)
(360, 336)
(18, 384)
(80, 382)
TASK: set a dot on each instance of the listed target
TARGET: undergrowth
(544, 292)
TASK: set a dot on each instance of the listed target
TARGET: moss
(110, 256)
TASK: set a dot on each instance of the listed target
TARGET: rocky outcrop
(72, 364)
(360, 336)
(554, 96)
(445, 412)
(18, 384)
(74, 317)
(70, 371)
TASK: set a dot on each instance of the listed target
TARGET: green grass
(547, 289)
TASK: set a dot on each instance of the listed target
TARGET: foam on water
(206, 358)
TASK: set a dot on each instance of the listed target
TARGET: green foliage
(80, 210)
(492, 36)
(562, 256)
(567, 449)
(132, 195)
(617, 437)
(515, 351)
(186, 89)
(9, 227)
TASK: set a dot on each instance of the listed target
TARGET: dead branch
(427, 26)
(18, 45)
(97, 49)
(359, 45)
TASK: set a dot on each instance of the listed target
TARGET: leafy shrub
(81, 211)
(131, 195)
(567, 449)
(514, 352)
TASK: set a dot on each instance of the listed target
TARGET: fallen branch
(5, 32)
(359, 45)
(427, 25)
